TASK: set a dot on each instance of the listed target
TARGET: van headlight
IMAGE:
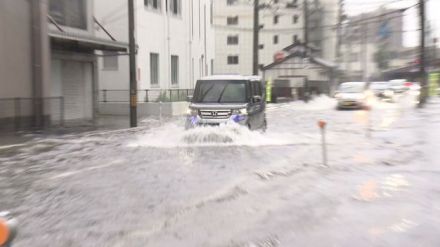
(191, 112)
(242, 111)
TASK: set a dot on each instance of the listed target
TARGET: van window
(220, 91)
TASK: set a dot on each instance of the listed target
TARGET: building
(48, 63)
(282, 24)
(323, 19)
(299, 72)
(175, 47)
(370, 41)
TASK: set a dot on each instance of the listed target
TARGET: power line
(302, 28)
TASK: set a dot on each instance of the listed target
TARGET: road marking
(72, 173)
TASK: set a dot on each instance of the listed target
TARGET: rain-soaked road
(228, 187)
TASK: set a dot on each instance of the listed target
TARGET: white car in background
(382, 90)
(351, 95)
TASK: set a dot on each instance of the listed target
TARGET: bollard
(8, 229)
(367, 110)
(322, 124)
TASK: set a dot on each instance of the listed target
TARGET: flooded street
(159, 185)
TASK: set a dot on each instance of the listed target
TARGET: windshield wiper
(221, 94)
(206, 92)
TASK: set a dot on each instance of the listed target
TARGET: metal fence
(146, 95)
(18, 113)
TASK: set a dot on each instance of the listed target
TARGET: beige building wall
(15, 49)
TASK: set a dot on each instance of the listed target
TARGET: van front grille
(215, 114)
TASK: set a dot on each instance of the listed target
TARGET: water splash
(173, 135)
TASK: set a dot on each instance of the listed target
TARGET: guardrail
(144, 95)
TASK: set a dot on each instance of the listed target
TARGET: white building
(363, 41)
(175, 40)
(282, 24)
(233, 21)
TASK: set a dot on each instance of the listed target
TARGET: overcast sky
(411, 20)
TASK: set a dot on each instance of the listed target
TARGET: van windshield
(218, 91)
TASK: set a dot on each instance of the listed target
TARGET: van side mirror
(256, 99)
(189, 98)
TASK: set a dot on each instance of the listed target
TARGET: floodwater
(159, 185)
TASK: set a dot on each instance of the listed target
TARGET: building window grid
(154, 69)
(232, 20)
(174, 70)
(276, 19)
(233, 59)
(153, 4)
(175, 7)
(232, 40)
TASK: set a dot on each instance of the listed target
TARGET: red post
(322, 124)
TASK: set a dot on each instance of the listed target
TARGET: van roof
(231, 77)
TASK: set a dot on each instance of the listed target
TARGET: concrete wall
(15, 49)
(285, 29)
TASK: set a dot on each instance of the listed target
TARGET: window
(293, 4)
(110, 60)
(232, 40)
(295, 38)
(231, 2)
(276, 1)
(176, 7)
(275, 39)
(232, 20)
(276, 19)
(232, 59)
(295, 19)
(261, 46)
(154, 4)
(69, 13)
(174, 70)
(154, 69)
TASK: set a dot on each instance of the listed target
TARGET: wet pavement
(159, 185)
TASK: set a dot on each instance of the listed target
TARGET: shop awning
(79, 41)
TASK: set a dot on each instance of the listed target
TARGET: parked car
(225, 98)
(382, 90)
(399, 86)
(351, 95)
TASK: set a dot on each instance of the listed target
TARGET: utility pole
(40, 60)
(365, 52)
(133, 79)
(337, 74)
(424, 88)
(339, 31)
(306, 23)
(256, 36)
